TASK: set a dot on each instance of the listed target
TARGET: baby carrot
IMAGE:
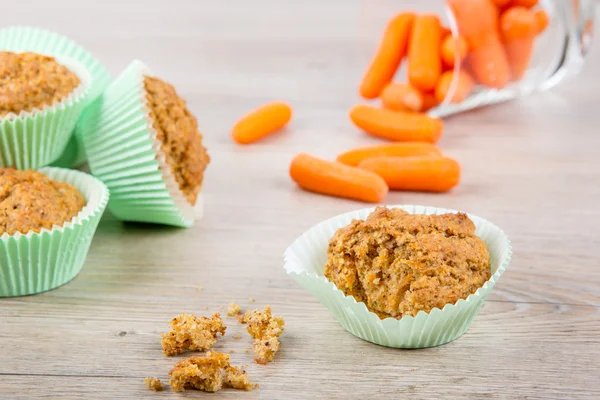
(336, 179)
(518, 28)
(464, 85)
(261, 122)
(523, 3)
(390, 53)
(429, 101)
(478, 23)
(542, 20)
(450, 48)
(407, 149)
(401, 97)
(397, 125)
(501, 3)
(427, 174)
(424, 62)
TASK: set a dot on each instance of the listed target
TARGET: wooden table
(531, 166)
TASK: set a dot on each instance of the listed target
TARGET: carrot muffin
(265, 329)
(189, 332)
(399, 263)
(30, 201)
(209, 373)
(177, 130)
(32, 81)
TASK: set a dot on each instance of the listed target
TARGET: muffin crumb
(265, 329)
(233, 309)
(208, 373)
(31, 81)
(251, 299)
(154, 384)
(177, 130)
(192, 333)
(31, 201)
(237, 336)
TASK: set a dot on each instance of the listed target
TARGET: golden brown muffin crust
(29, 80)
(399, 264)
(30, 201)
(177, 129)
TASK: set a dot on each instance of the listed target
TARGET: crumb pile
(177, 130)
(29, 80)
(189, 332)
(399, 264)
(31, 201)
(233, 310)
(265, 329)
(208, 373)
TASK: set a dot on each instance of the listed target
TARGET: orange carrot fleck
(406, 149)
(429, 101)
(427, 174)
(523, 3)
(261, 122)
(450, 47)
(401, 97)
(397, 125)
(478, 23)
(445, 31)
(518, 27)
(542, 20)
(464, 85)
(388, 57)
(336, 179)
(424, 61)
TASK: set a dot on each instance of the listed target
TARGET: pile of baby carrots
(494, 47)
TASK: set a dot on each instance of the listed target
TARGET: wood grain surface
(531, 166)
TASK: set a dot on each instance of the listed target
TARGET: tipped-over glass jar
(462, 54)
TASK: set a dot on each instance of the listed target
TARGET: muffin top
(30, 201)
(30, 80)
(177, 129)
(399, 264)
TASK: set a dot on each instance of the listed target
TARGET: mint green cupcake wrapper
(37, 262)
(305, 261)
(124, 152)
(34, 139)
(24, 38)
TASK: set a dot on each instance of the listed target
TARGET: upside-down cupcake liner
(37, 262)
(34, 139)
(305, 261)
(24, 38)
(124, 152)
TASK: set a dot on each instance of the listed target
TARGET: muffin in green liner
(37, 262)
(125, 152)
(305, 261)
(24, 38)
(34, 139)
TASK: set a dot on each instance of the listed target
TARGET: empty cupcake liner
(24, 38)
(305, 261)
(34, 139)
(124, 152)
(37, 262)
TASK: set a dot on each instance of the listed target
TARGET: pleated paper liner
(34, 139)
(305, 261)
(24, 38)
(37, 262)
(124, 152)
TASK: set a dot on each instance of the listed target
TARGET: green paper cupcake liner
(37, 262)
(24, 38)
(124, 152)
(34, 139)
(305, 261)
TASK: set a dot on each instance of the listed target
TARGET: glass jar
(558, 52)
